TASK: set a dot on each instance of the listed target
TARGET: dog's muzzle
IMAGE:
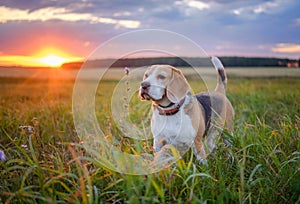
(144, 91)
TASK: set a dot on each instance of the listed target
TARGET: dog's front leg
(158, 143)
(200, 152)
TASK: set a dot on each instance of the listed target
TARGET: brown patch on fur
(177, 87)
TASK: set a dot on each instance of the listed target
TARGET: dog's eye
(145, 76)
(162, 77)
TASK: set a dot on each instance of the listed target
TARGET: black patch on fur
(222, 74)
(205, 102)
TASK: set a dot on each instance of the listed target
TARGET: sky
(73, 29)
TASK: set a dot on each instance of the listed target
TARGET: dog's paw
(202, 162)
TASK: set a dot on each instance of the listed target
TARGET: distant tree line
(185, 62)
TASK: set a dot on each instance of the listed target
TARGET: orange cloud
(287, 48)
(56, 13)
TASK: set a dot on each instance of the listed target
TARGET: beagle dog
(181, 119)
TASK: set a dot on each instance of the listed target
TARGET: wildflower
(24, 146)
(2, 156)
(126, 70)
(27, 128)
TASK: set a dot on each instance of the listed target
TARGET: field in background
(116, 73)
(44, 164)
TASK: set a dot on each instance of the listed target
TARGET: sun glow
(53, 60)
(48, 57)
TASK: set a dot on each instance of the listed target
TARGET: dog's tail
(222, 78)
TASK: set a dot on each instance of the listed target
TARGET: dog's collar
(162, 110)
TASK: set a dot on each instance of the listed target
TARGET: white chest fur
(176, 130)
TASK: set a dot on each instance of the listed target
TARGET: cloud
(195, 4)
(252, 11)
(126, 13)
(190, 8)
(59, 13)
(220, 26)
(287, 48)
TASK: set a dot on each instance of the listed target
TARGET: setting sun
(48, 57)
(53, 60)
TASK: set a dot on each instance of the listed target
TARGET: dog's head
(163, 81)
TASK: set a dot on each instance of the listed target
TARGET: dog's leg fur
(199, 151)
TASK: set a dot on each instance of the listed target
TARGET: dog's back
(205, 103)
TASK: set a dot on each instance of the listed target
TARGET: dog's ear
(177, 87)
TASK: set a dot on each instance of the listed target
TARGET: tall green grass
(46, 164)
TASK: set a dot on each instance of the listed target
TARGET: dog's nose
(145, 85)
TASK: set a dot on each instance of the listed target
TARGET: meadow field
(44, 162)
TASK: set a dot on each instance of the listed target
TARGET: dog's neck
(167, 107)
